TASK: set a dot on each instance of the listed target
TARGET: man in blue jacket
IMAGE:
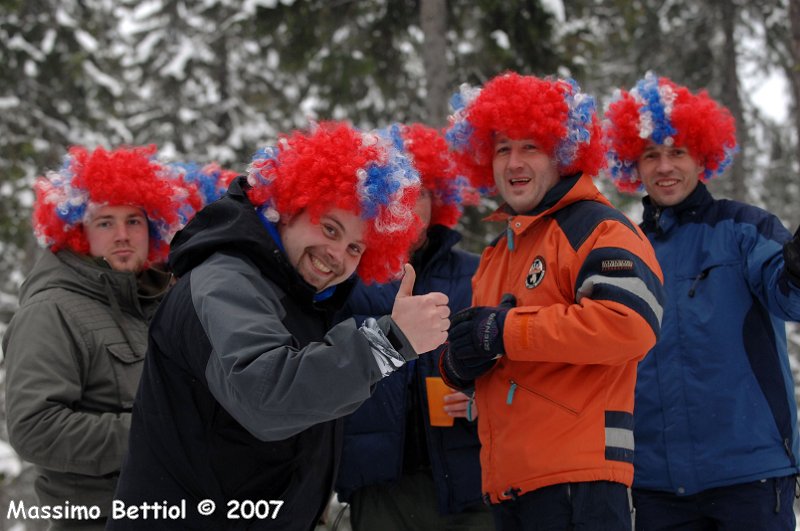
(397, 471)
(715, 416)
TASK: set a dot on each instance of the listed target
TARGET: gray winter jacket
(73, 354)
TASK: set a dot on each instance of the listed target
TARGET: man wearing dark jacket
(75, 349)
(715, 417)
(399, 472)
(236, 424)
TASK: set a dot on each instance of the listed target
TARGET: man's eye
(330, 230)
(355, 250)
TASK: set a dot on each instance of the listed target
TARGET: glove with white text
(475, 341)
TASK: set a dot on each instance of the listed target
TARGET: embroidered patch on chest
(616, 265)
(535, 273)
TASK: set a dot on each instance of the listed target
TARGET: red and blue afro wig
(659, 111)
(437, 171)
(337, 166)
(123, 176)
(554, 113)
(211, 180)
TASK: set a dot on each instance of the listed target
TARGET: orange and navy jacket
(558, 406)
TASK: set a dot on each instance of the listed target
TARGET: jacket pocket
(694, 282)
(126, 365)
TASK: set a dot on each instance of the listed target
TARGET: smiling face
(119, 234)
(523, 173)
(324, 253)
(669, 173)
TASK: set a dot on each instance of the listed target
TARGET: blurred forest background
(215, 79)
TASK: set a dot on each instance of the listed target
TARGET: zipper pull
(510, 237)
(511, 391)
(657, 220)
(703, 274)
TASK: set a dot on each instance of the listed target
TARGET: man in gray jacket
(236, 423)
(74, 349)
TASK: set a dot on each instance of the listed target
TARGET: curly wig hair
(123, 176)
(211, 180)
(437, 172)
(336, 166)
(660, 111)
(552, 112)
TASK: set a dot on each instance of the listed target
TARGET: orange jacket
(558, 407)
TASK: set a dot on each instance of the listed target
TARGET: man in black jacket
(235, 424)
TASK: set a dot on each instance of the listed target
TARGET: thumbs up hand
(424, 319)
(407, 283)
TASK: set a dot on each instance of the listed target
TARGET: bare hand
(424, 319)
(457, 405)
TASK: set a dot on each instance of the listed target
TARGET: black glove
(791, 258)
(475, 341)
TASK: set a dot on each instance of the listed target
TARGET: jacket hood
(232, 225)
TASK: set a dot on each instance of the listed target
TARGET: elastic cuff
(450, 374)
(387, 358)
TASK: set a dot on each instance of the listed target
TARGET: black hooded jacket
(244, 382)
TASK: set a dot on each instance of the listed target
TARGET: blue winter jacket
(375, 434)
(715, 400)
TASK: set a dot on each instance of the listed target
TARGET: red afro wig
(553, 112)
(337, 166)
(659, 111)
(437, 172)
(124, 176)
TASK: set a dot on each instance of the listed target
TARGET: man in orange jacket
(565, 303)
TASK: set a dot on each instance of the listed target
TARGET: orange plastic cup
(437, 389)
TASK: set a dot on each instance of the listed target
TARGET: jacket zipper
(513, 389)
(703, 274)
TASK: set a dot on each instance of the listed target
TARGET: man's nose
(514, 158)
(336, 252)
(665, 164)
(121, 232)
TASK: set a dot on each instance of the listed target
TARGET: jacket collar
(568, 190)
(661, 219)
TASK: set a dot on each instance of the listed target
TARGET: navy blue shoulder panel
(766, 224)
(579, 220)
